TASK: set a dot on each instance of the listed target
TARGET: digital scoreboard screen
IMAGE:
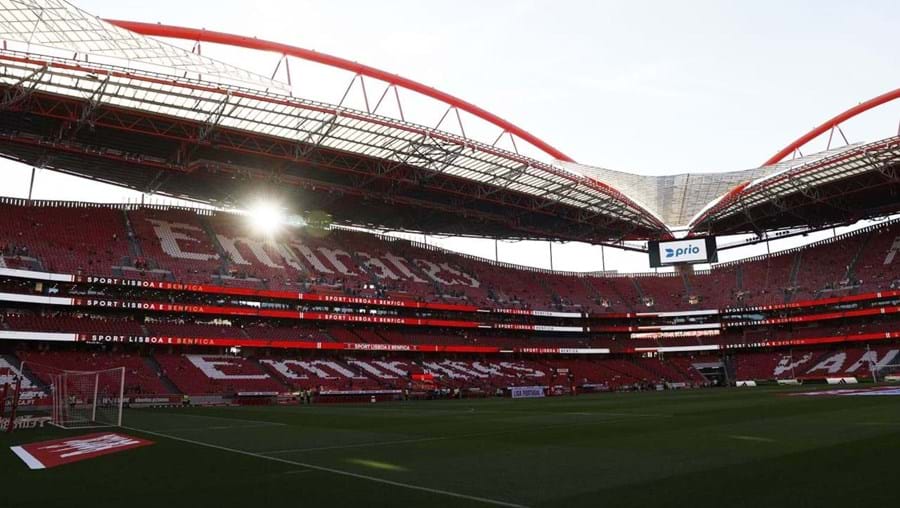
(689, 251)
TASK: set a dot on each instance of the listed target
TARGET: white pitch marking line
(336, 471)
(26, 457)
(753, 438)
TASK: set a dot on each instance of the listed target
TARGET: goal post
(88, 399)
(889, 373)
(79, 399)
(4, 393)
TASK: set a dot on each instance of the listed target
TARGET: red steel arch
(195, 34)
(831, 123)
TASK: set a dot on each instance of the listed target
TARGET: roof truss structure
(88, 97)
(429, 155)
(854, 184)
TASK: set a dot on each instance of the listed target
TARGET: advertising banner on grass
(56, 452)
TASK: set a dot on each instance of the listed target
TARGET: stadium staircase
(23, 262)
(27, 373)
(660, 369)
(327, 334)
(629, 372)
(275, 377)
(274, 374)
(11, 360)
(555, 297)
(687, 288)
(155, 367)
(607, 289)
(629, 304)
(686, 367)
(728, 369)
(640, 292)
(863, 245)
(133, 246)
(362, 267)
(591, 289)
(211, 234)
(792, 279)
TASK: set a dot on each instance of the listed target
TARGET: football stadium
(277, 316)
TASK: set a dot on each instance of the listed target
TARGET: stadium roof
(87, 97)
(54, 25)
(721, 202)
(835, 187)
(678, 199)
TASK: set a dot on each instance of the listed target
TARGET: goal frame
(61, 398)
(892, 371)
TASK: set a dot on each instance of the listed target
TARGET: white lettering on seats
(489, 369)
(400, 263)
(313, 260)
(371, 369)
(333, 256)
(399, 368)
(374, 265)
(169, 238)
(431, 270)
(435, 367)
(470, 281)
(340, 369)
(176, 239)
(870, 360)
(212, 367)
(288, 256)
(462, 367)
(283, 367)
(287, 368)
(256, 247)
(787, 363)
(832, 364)
(528, 371)
(445, 274)
(893, 252)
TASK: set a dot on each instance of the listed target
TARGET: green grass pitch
(726, 447)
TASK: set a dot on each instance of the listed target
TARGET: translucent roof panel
(274, 114)
(800, 176)
(677, 199)
(59, 25)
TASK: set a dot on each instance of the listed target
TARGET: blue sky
(645, 86)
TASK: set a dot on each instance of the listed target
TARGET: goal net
(887, 373)
(80, 399)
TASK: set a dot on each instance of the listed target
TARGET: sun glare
(266, 218)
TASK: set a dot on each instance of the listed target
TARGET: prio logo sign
(693, 249)
(680, 251)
